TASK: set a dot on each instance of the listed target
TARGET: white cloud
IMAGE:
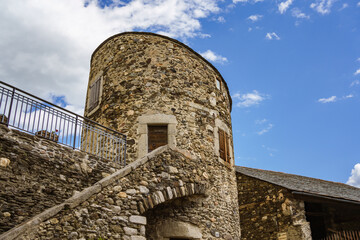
(357, 72)
(255, 18)
(213, 57)
(322, 6)
(46, 44)
(272, 36)
(237, 1)
(265, 130)
(268, 127)
(270, 150)
(327, 100)
(261, 121)
(298, 14)
(354, 178)
(221, 19)
(249, 99)
(358, 4)
(355, 83)
(348, 96)
(334, 98)
(345, 5)
(245, 1)
(283, 6)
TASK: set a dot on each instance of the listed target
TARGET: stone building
(275, 205)
(159, 92)
(180, 181)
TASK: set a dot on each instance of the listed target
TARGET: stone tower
(158, 91)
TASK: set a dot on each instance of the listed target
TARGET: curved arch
(173, 40)
(170, 193)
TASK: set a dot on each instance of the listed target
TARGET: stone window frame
(220, 124)
(155, 119)
(98, 77)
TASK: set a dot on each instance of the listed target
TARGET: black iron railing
(28, 113)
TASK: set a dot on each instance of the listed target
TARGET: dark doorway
(157, 137)
(316, 216)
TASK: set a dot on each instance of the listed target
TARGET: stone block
(131, 191)
(169, 192)
(160, 196)
(138, 219)
(138, 238)
(143, 190)
(4, 162)
(130, 231)
(122, 195)
(171, 169)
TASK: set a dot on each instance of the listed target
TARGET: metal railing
(28, 113)
(344, 235)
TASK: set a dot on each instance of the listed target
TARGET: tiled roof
(305, 185)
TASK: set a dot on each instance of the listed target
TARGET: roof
(305, 185)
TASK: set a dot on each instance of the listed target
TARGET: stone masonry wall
(36, 174)
(268, 211)
(146, 75)
(150, 74)
(116, 207)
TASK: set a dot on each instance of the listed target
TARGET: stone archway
(162, 226)
(170, 193)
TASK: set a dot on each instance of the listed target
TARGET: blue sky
(292, 67)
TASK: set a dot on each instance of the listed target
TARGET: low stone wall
(36, 174)
(116, 207)
(268, 211)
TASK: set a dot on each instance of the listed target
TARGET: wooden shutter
(227, 139)
(157, 137)
(224, 149)
(94, 94)
(222, 146)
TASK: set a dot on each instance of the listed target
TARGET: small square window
(157, 137)
(218, 84)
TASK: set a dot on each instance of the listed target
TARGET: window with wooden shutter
(157, 137)
(224, 146)
(94, 94)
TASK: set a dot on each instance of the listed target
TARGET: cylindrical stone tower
(158, 91)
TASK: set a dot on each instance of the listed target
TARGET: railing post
(11, 103)
(76, 121)
(125, 151)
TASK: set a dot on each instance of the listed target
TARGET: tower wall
(148, 79)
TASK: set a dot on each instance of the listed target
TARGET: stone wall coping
(85, 194)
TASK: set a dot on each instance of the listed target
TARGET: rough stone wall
(148, 74)
(118, 210)
(36, 174)
(268, 211)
